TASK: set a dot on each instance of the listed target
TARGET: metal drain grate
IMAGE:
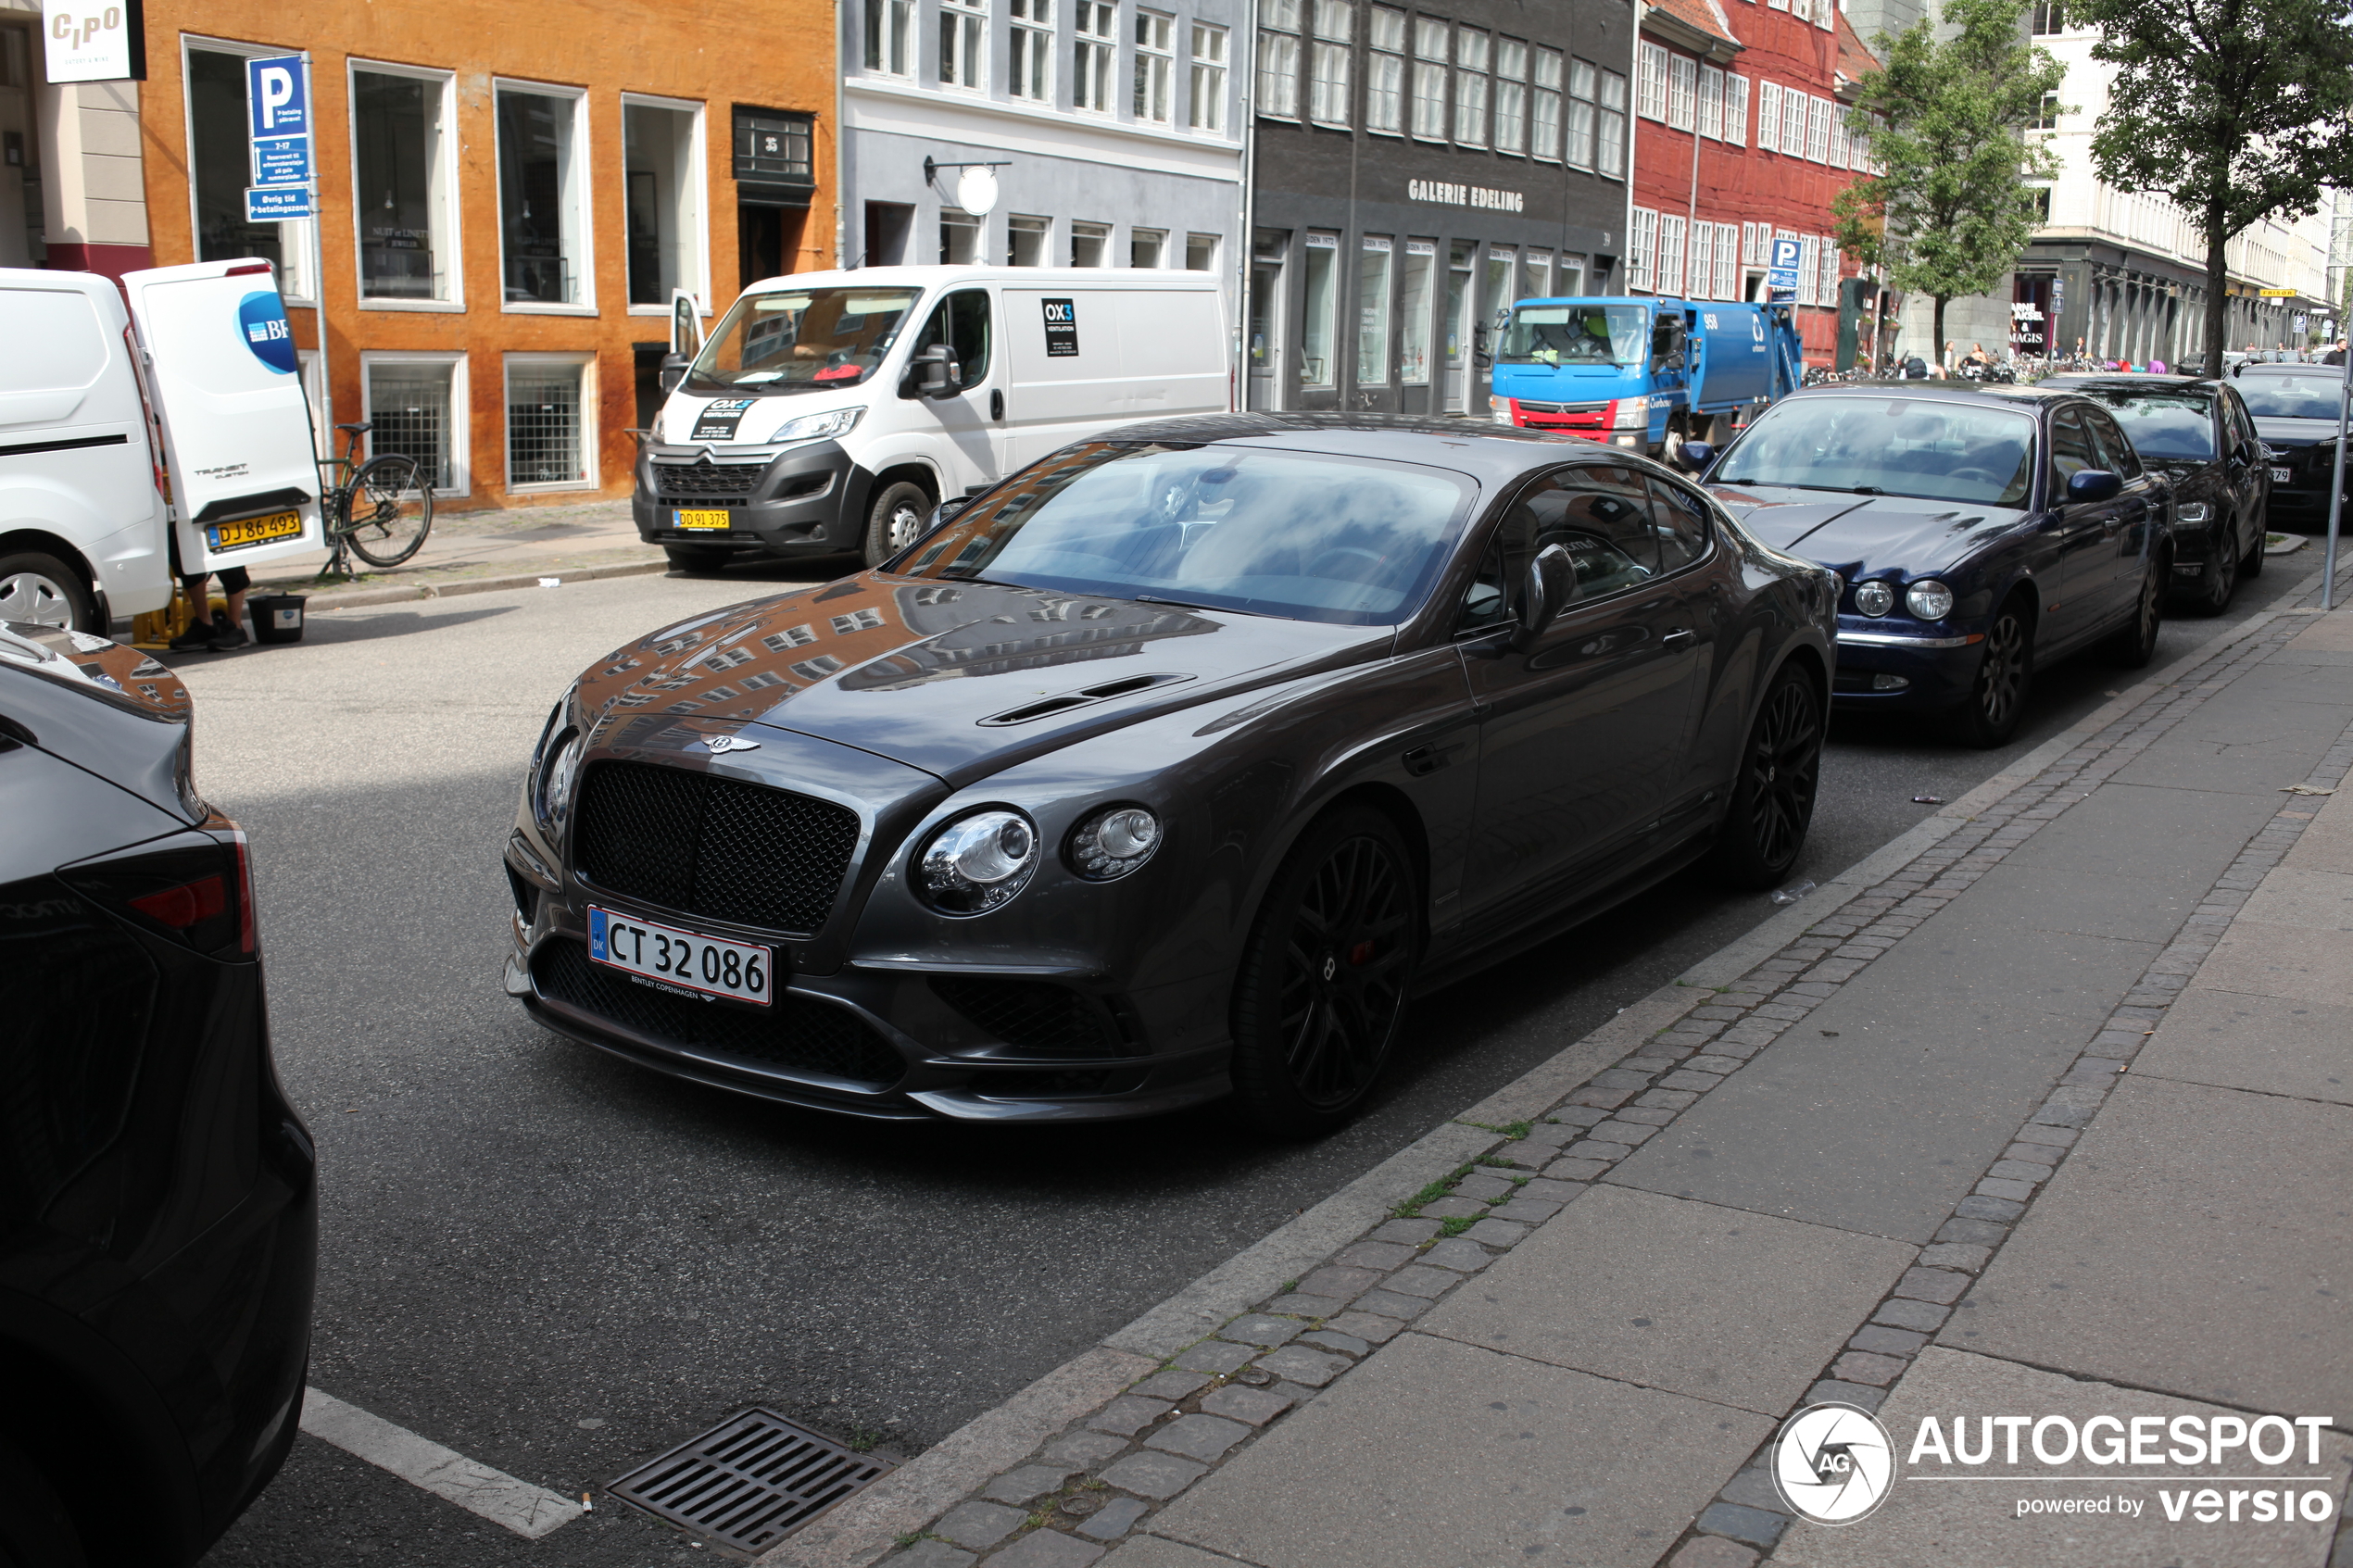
(747, 1482)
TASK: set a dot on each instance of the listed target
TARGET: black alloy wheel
(1323, 981)
(895, 521)
(2004, 672)
(1773, 796)
(2219, 582)
(2135, 643)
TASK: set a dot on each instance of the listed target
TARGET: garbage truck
(1644, 374)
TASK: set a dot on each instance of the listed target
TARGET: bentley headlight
(1928, 599)
(977, 862)
(561, 775)
(1873, 599)
(1111, 844)
(817, 427)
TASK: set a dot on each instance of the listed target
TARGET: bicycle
(380, 511)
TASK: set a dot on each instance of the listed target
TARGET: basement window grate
(748, 1482)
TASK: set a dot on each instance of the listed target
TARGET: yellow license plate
(252, 531)
(699, 520)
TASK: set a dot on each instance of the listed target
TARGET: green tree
(1946, 121)
(2234, 109)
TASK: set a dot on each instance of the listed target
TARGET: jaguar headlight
(2193, 513)
(818, 427)
(1928, 599)
(1873, 599)
(1111, 844)
(976, 863)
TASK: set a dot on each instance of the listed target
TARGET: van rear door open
(236, 431)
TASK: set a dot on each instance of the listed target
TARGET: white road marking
(530, 1511)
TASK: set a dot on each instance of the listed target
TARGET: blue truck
(1646, 373)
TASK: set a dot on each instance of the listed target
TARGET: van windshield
(1351, 541)
(807, 340)
(1576, 335)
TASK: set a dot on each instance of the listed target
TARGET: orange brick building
(507, 200)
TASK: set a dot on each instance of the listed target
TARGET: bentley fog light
(1929, 600)
(1874, 598)
(1111, 844)
(973, 865)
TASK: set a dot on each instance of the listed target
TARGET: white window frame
(1030, 40)
(1642, 251)
(591, 452)
(1277, 67)
(700, 160)
(1683, 92)
(1711, 103)
(1809, 269)
(1727, 262)
(1817, 129)
(1613, 144)
(973, 76)
(1472, 84)
(1098, 50)
(1386, 44)
(461, 474)
(1148, 56)
(1793, 123)
(1650, 91)
(1205, 76)
(298, 230)
(1736, 109)
(1159, 241)
(1329, 48)
(452, 201)
(1510, 97)
(1673, 255)
(1699, 269)
(1548, 89)
(1430, 68)
(906, 17)
(1839, 157)
(581, 171)
(1769, 117)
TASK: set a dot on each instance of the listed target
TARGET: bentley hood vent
(1084, 697)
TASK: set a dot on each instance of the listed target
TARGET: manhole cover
(747, 1482)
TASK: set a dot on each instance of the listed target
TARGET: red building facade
(1740, 139)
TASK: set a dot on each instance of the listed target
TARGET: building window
(1753, 246)
(1711, 103)
(1155, 66)
(1027, 239)
(1793, 104)
(409, 400)
(1736, 110)
(1544, 109)
(1092, 54)
(401, 156)
(543, 244)
(1470, 88)
(1809, 273)
(1670, 253)
(1817, 129)
(1319, 259)
(1728, 263)
(1840, 158)
(1535, 274)
(1207, 85)
(219, 168)
(1145, 245)
(1829, 271)
(660, 150)
(890, 37)
(1609, 155)
(1702, 249)
(1277, 58)
(2047, 16)
(1430, 37)
(1651, 62)
(547, 439)
(1584, 86)
(1372, 312)
(1327, 72)
(1412, 312)
(2046, 113)
(963, 43)
(1385, 81)
(959, 238)
(1642, 251)
(1511, 96)
(1200, 253)
(1768, 116)
(1683, 92)
(1030, 69)
(1091, 244)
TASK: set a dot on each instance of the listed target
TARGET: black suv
(158, 1222)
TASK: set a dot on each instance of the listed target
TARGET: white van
(832, 411)
(82, 504)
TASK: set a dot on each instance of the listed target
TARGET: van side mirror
(2092, 485)
(932, 373)
(1696, 456)
(1552, 583)
(941, 513)
(673, 371)
(1674, 360)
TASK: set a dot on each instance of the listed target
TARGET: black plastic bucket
(277, 618)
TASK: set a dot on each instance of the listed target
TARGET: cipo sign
(95, 39)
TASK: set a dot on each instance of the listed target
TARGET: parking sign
(1780, 282)
(278, 123)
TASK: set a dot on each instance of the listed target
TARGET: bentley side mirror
(2092, 485)
(1552, 583)
(673, 371)
(932, 373)
(1696, 456)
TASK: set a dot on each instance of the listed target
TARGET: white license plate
(2279, 476)
(685, 960)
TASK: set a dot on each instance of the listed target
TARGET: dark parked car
(1980, 532)
(156, 1203)
(2198, 435)
(1169, 767)
(2294, 411)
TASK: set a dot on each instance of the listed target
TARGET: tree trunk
(2217, 280)
(1936, 348)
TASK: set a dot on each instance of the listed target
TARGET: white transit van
(81, 505)
(832, 411)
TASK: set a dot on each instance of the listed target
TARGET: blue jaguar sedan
(1980, 532)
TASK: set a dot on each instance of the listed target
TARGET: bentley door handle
(1677, 637)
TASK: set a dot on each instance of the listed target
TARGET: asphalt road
(560, 1265)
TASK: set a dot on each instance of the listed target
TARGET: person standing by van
(218, 634)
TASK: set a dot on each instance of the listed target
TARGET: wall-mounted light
(975, 187)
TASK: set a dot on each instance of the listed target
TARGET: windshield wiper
(1869, 490)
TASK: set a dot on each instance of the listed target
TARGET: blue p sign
(1787, 253)
(277, 96)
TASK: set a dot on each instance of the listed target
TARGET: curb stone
(357, 599)
(1539, 1129)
